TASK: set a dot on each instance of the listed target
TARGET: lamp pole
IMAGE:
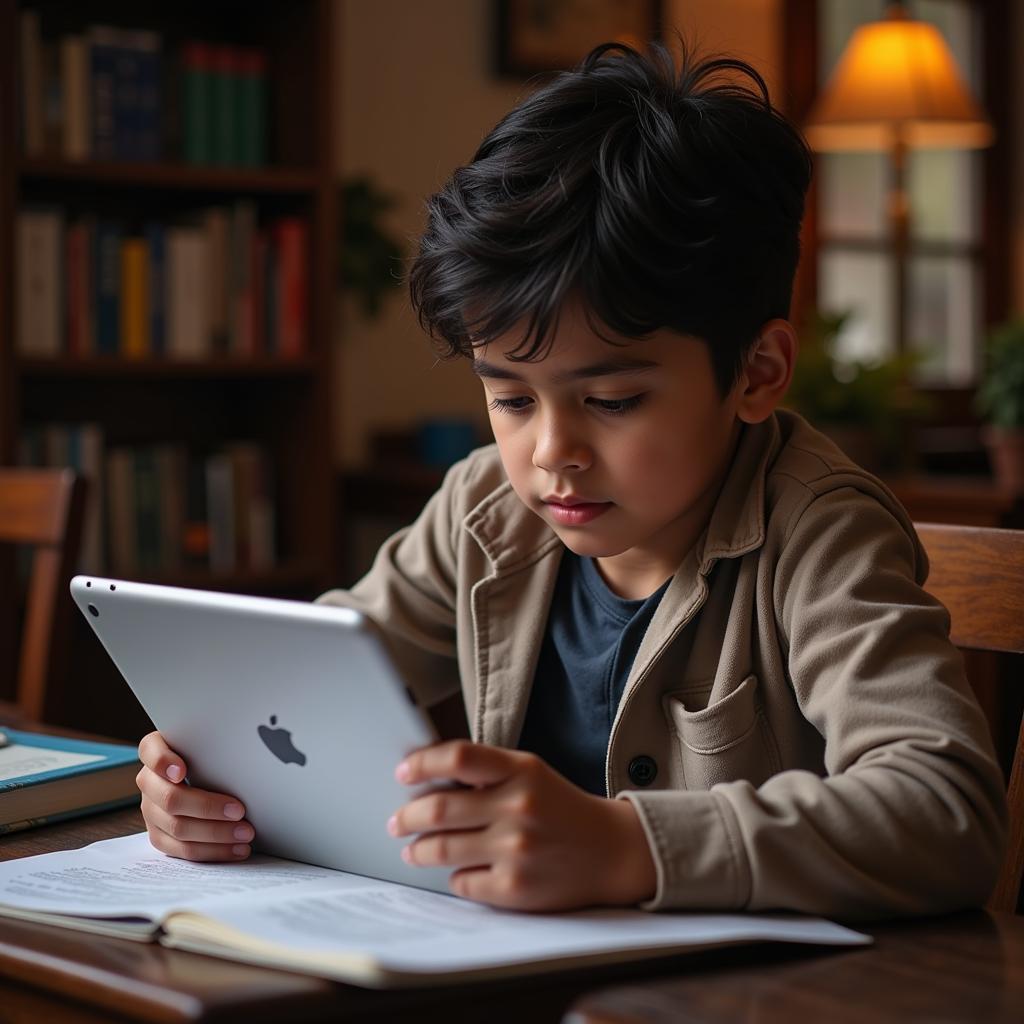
(899, 234)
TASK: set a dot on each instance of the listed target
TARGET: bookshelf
(248, 386)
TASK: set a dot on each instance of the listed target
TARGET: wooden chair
(42, 508)
(978, 574)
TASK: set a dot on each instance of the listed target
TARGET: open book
(298, 917)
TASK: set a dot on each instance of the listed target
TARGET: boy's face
(620, 450)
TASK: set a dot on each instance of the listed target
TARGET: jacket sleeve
(910, 817)
(409, 592)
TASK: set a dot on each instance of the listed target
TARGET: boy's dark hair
(667, 198)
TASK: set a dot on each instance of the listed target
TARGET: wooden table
(968, 967)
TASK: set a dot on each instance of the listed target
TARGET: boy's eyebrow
(603, 369)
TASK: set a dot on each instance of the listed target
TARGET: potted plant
(861, 406)
(1000, 401)
(369, 258)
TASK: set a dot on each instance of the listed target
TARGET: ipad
(293, 707)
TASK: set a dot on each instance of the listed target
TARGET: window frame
(951, 404)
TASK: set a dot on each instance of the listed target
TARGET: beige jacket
(816, 744)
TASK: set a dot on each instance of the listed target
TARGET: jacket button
(642, 770)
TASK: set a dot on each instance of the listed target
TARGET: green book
(223, 89)
(196, 85)
(252, 108)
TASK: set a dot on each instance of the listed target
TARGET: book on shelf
(79, 446)
(157, 509)
(39, 269)
(156, 291)
(107, 275)
(224, 104)
(46, 778)
(333, 924)
(161, 518)
(75, 88)
(134, 299)
(118, 93)
(291, 317)
(218, 284)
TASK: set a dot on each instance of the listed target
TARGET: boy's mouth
(572, 511)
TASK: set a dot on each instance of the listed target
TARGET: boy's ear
(767, 371)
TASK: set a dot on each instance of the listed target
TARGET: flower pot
(1006, 453)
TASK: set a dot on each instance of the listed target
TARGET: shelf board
(180, 176)
(185, 369)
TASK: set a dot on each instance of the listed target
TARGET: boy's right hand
(183, 821)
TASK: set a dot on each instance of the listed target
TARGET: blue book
(156, 240)
(107, 264)
(47, 778)
(150, 76)
(103, 45)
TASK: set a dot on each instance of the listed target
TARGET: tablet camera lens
(93, 610)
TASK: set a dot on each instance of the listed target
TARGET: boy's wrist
(632, 876)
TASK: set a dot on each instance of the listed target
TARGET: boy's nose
(558, 449)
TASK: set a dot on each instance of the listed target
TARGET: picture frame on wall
(537, 36)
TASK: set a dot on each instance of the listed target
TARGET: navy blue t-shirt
(591, 640)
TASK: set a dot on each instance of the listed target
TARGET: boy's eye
(617, 406)
(513, 405)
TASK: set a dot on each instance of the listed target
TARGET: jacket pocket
(727, 740)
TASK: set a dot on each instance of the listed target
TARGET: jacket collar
(512, 536)
(737, 523)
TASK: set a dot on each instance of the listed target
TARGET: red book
(77, 311)
(291, 241)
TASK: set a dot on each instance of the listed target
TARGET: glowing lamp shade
(896, 78)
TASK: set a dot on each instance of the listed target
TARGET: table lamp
(897, 86)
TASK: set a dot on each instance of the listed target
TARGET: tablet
(295, 708)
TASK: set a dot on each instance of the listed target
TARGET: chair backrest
(42, 508)
(978, 574)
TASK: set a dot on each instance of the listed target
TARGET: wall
(416, 95)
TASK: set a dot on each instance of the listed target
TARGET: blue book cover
(149, 94)
(107, 264)
(126, 98)
(155, 239)
(45, 778)
(102, 42)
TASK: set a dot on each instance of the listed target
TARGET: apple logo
(279, 743)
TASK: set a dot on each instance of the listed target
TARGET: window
(946, 282)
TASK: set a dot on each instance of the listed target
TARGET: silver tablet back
(295, 708)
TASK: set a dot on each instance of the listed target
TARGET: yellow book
(135, 340)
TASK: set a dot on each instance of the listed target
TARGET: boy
(690, 635)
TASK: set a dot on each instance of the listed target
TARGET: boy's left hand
(523, 836)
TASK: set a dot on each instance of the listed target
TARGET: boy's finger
(157, 756)
(191, 802)
(456, 850)
(196, 830)
(445, 809)
(197, 851)
(475, 764)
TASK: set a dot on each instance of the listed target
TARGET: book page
(20, 759)
(127, 877)
(344, 925)
(412, 930)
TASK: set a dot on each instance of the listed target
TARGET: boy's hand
(184, 821)
(523, 836)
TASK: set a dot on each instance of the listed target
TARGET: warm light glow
(896, 76)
